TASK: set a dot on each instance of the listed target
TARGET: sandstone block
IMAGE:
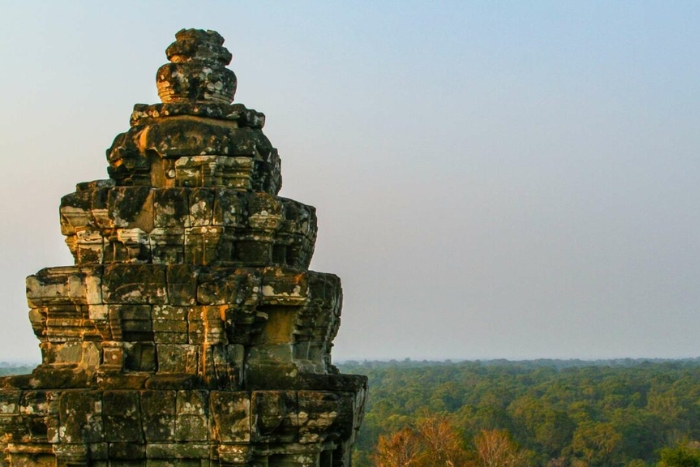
(182, 284)
(276, 416)
(80, 417)
(65, 286)
(318, 411)
(203, 245)
(228, 208)
(126, 452)
(9, 401)
(131, 206)
(176, 451)
(122, 416)
(75, 212)
(232, 417)
(220, 286)
(177, 358)
(167, 246)
(135, 284)
(158, 410)
(171, 208)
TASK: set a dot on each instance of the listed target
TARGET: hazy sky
(493, 179)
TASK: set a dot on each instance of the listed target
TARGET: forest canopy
(548, 412)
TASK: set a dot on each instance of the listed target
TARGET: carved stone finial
(197, 70)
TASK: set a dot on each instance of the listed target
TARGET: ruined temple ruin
(190, 331)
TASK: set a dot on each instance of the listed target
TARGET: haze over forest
(492, 179)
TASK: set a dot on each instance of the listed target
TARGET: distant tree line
(15, 369)
(542, 413)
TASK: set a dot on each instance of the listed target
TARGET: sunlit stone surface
(190, 331)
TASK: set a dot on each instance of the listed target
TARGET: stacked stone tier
(239, 114)
(140, 224)
(214, 326)
(195, 144)
(183, 427)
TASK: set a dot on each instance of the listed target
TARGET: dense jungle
(555, 413)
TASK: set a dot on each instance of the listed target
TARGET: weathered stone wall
(189, 331)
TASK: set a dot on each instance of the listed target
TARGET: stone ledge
(148, 113)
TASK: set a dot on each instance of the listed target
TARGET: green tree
(597, 443)
(684, 455)
(496, 448)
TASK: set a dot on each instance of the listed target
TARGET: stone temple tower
(190, 331)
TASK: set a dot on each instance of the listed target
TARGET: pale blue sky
(493, 179)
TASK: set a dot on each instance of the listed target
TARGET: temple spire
(197, 70)
(190, 330)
